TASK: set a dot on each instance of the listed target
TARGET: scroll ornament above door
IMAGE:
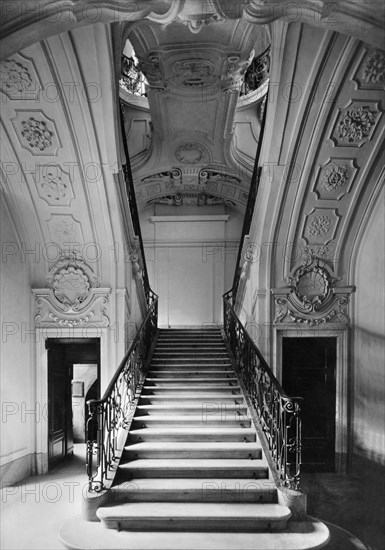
(73, 298)
(311, 296)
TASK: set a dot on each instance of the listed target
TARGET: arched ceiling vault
(201, 140)
(24, 23)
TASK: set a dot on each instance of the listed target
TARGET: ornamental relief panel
(311, 297)
(370, 74)
(53, 185)
(355, 124)
(36, 133)
(18, 78)
(72, 298)
(335, 179)
(64, 230)
(320, 225)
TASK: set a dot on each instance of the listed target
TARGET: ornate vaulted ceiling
(192, 138)
(199, 140)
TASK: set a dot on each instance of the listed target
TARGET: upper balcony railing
(131, 78)
(257, 73)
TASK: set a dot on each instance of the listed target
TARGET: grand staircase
(193, 474)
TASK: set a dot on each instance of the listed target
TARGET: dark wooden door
(308, 371)
(59, 405)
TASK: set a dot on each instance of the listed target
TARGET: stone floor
(355, 503)
(34, 510)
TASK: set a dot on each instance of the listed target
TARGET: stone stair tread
(194, 463)
(195, 510)
(79, 534)
(183, 484)
(190, 445)
(176, 380)
(193, 407)
(203, 418)
(192, 430)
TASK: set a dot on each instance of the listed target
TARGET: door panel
(308, 371)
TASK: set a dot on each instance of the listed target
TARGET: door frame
(342, 403)
(42, 334)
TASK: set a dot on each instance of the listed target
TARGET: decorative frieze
(190, 199)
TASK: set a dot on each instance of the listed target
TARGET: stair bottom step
(80, 534)
(170, 516)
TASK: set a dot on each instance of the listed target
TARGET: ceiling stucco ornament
(373, 71)
(190, 153)
(320, 226)
(171, 178)
(194, 73)
(150, 66)
(53, 184)
(197, 14)
(65, 231)
(311, 297)
(14, 77)
(207, 176)
(36, 133)
(235, 68)
(335, 177)
(190, 199)
(355, 125)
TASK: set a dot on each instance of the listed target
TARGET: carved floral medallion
(14, 77)
(356, 124)
(319, 226)
(335, 177)
(373, 71)
(36, 133)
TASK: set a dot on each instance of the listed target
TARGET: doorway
(73, 378)
(309, 371)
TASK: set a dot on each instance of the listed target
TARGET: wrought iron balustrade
(131, 78)
(109, 415)
(278, 414)
(257, 73)
(130, 194)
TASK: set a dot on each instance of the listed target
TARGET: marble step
(156, 449)
(195, 467)
(193, 359)
(170, 516)
(80, 534)
(179, 380)
(192, 434)
(193, 389)
(196, 420)
(195, 490)
(212, 399)
(213, 409)
(159, 374)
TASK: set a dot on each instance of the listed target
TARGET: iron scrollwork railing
(257, 73)
(109, 415)
(278, 414)
(131, 78)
